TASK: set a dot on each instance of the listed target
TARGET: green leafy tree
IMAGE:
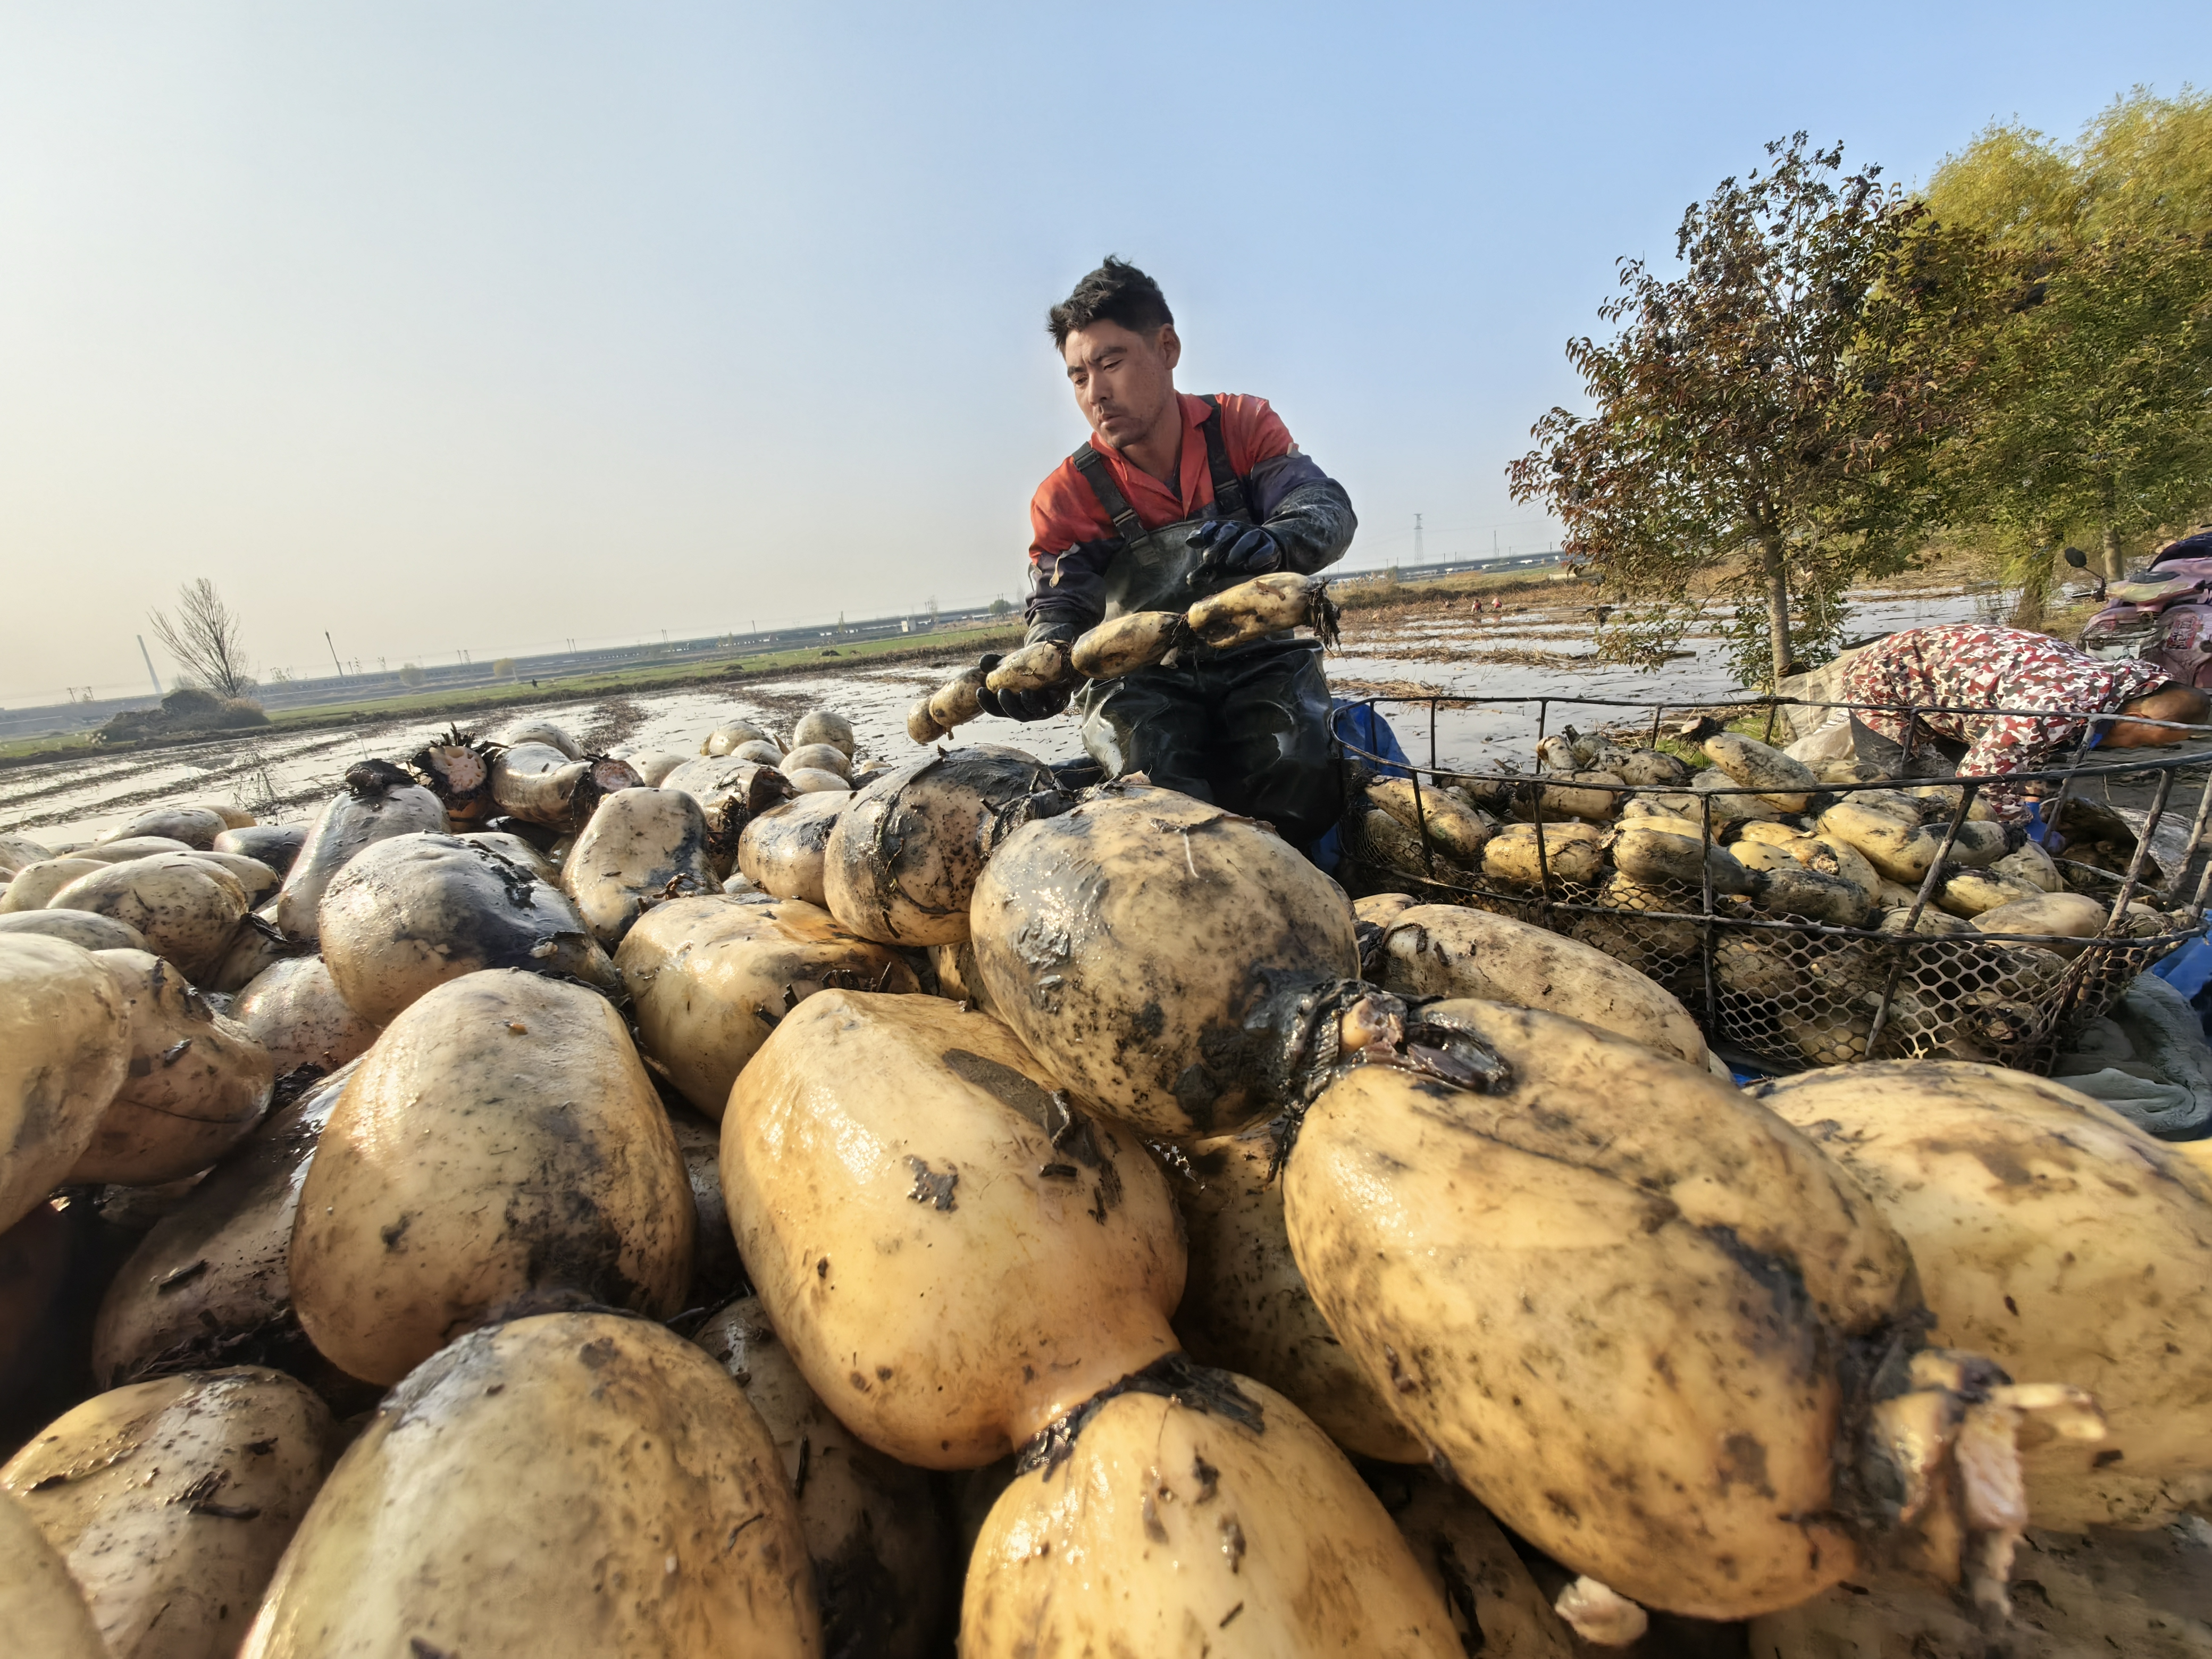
(2092, 416)
(1768, 420)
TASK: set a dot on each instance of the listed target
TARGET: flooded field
(1546, 652)
(1430, 649)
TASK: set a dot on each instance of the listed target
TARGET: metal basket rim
(2070, 998)
(2117, 768)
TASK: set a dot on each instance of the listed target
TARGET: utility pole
(335, 663)
(1417, 539)
(148, 656)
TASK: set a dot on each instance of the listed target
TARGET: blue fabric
(1327, 852)
(1365, 729)
(1275, 477)
(2039, 827)
(2188, 970)
(2198, 546)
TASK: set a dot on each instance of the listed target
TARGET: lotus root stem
(1601, 1615)
(1371, 1022)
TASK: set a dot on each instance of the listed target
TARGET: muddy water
(1535, 651)
(284, 779)
(1545, 653)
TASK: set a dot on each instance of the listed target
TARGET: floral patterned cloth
(1969, 667)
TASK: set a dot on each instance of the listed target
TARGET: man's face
(1124, 382)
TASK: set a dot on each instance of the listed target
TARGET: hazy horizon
(486, 328)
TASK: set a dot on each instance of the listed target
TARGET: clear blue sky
(483, 326)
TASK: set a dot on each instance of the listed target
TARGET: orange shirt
(1064, 511)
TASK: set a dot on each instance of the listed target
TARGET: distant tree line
(2018, 358)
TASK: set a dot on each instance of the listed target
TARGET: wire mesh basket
(1776, 987)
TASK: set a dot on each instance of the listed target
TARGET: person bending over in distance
(1969, 667)
(1173, 498)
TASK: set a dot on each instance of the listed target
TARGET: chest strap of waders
(1228, 487)
(1092, 466)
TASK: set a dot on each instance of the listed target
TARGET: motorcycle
(2163, 614)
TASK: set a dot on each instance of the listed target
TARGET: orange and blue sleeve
(1306, 511)
(1071, 542)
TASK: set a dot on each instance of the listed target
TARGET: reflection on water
(1549, 654)
(1535, 651)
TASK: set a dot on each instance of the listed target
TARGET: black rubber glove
(1234, 550)
(1021, 705)
(1028, 705)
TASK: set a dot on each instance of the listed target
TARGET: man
(1173, 498)
(1970, 668)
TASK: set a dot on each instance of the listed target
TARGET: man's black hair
(1117, 292)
